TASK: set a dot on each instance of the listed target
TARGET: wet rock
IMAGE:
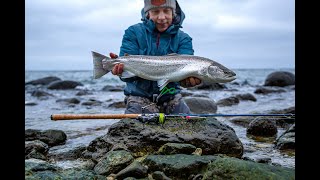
(242, 121)
(158, 175)
(210, 135)
(290, 110)
(262, 127)
(233, 168)
(69, 155)
(177, 166)
(264, 160)
(92, 102)
(228, 101)
(120, 104)
(201, 105)
(36, 169)
(176, 148)
(287, 139)
(40, 93)
(246, 97)
(215, 86)
(36, 149)
(43, 81)
(51, 137)
(113, 162)
(30, 103)
(64, 85)
(135, 169)
(69, 100)
(264, 90)
(280, 78)
(39, 165)
(286, 121)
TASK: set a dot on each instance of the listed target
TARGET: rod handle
(56, 117)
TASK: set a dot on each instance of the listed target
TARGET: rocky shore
(178, 149)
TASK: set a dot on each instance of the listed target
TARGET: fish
(164, 69)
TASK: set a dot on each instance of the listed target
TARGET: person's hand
(190, 82)
(113, 55)
(118, 68)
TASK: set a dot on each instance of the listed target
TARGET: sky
(60, 34)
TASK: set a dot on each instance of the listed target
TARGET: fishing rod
(156, 117)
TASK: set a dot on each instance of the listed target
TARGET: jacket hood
(176, 22)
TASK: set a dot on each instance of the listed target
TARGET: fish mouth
(230, 78)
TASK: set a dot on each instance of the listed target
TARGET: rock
(280, 78)
(177, 166)
(64, 85)
(135, 169)
(287, 139)
(215, 86)
(201, 105)
(120, 104)
(51, 137)
(228, 101)
(36, 149)
(176, 148)
(233, 168)
(158, 175)
(262, 127)
(43, 81)
(265, 90)
(246, 97)
(40, 93)
(113, 162)
(210, 135)
(69, 100)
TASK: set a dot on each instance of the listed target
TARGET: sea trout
(164, 69)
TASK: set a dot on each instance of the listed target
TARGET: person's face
(162, 17)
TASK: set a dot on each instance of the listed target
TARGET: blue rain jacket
(144, 39)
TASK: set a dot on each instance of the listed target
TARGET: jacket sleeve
(185, 44)
(130, 46)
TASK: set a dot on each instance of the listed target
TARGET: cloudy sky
(60, 34)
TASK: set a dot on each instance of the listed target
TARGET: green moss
(233, 168)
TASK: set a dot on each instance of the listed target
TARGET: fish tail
(98, 70)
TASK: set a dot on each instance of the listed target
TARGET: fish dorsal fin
(172, 54)
(162, 83)
(127, 74)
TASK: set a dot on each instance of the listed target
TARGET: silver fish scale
(170, 67)
(164, 69)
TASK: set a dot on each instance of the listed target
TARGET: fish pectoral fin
(162, 83)
(127, 74)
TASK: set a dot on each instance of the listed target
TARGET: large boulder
(212, 136)
(280, 78)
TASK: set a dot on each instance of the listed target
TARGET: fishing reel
(160, 118)
(157, 118)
